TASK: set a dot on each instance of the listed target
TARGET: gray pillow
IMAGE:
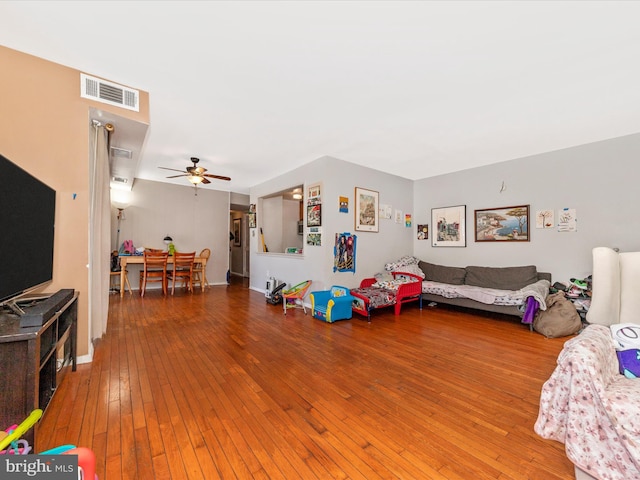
(505, 278)
(442, 274)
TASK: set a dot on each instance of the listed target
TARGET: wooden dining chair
(150, 250)
(182, 269)
(199, 269)
(154, 270)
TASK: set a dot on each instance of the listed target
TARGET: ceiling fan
(196, 174)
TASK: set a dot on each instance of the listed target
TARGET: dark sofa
(502, 278)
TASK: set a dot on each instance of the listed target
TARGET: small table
(139, 259)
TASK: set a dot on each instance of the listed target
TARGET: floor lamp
(120, 218)
(121, 200)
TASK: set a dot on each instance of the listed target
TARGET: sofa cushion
(442, 274)
(502, 278)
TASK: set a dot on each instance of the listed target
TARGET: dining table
(139, 259)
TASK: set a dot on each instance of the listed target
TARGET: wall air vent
(120, 152)
(107, 92)
(119, 180)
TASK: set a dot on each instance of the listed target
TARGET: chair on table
(115, 273)
(199, 269)
(295, 295)
(182, 269)
(332, 305)
(154, 270)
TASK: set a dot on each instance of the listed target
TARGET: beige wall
(192, 221)
(44, 128)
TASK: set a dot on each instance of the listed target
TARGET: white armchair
(616, 287)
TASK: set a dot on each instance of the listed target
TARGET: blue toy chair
(331, 305)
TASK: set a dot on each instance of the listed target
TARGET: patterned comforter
(592, 408)
(377, 296)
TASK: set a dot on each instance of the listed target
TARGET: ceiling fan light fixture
(195, 179)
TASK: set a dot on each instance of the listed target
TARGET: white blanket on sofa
(490, 296)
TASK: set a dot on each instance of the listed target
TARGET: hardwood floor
(223, 385)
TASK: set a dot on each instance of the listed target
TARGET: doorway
(239, 240)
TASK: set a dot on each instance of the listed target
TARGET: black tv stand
(34, 361)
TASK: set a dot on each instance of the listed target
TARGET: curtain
(99, 231)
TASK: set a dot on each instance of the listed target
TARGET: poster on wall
(423, 232)
(344, 205)
(344, 253)
(314, 236)
(567, 220)
(544, 219)
(407, 220)
(385, 211)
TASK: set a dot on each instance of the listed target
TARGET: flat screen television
(27, 222)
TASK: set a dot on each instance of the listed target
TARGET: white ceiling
(411, 88)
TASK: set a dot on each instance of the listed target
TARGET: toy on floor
(293, 297)
(86, 459)
(16, 433)
(11, 438)
(331, 305)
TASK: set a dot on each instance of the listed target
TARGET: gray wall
(158, 209)
(600, 180)
(338, 178)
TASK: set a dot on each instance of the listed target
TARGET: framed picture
(314, 194)
(366, 211)
(314, 215)
(504, 224)
(236, 232)
(252, 219)
(314, 239)
(449, 226)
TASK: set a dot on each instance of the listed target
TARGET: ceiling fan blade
(219, 177)
(173, 169)
(176, 176)
(204, 180)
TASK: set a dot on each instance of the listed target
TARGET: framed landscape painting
(504, 224)
(449, 226)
